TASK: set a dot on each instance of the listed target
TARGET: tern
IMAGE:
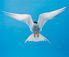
(35, 27)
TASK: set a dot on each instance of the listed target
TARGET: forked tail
(36, 39)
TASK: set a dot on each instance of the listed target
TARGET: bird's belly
(35, 29)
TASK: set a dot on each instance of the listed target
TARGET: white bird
(35, 27)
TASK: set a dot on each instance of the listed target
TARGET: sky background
(13, 33)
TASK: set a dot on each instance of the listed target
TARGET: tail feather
(36, 39)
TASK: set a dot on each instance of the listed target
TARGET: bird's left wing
(21, 17)
(47, 16)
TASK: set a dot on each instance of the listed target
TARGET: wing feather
(21, 17)
(47, 16)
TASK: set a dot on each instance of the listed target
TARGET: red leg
(38, 35)
(34, 35)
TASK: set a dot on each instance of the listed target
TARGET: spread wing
(47, 16)
(21, 17)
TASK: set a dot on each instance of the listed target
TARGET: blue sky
(13, 33)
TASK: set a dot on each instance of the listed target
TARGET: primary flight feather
(35, 27)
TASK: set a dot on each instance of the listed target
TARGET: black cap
(35, 22)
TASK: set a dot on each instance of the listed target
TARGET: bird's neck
(35, 24)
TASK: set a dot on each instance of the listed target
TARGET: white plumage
(36, 39)
(43, 18)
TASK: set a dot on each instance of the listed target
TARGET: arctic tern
(35, 27)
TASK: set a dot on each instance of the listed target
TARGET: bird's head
(35, 22)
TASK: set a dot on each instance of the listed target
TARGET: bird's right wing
(21, 17)
(47, 16)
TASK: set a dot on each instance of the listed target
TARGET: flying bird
(35, 27)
